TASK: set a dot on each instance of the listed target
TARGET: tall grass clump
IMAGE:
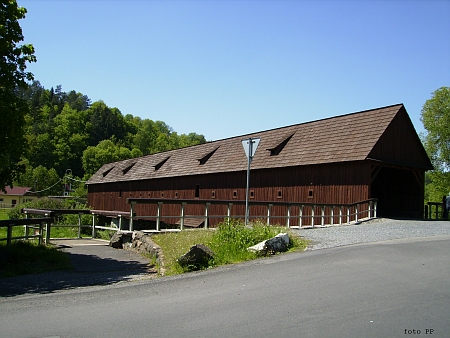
(229, 241)
(232, 238)
(176, 244)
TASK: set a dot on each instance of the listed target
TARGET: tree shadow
(89, 270)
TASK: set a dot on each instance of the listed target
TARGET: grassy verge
(3, 214)
(56, 232)
(229, 242)
(21, 258)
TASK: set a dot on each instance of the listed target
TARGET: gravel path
(373, 231)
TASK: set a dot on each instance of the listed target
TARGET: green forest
(69, 136)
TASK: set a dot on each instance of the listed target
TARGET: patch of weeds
(229, 242)
(232, 238)
(21, 258)
(63, 232)
(104, 234)
(176, 244)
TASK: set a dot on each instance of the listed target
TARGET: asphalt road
(94, 263)
(398, 288)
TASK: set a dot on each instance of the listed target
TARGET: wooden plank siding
(400, 144)
(331, 183)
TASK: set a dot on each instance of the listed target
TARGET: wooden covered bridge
(343, 160)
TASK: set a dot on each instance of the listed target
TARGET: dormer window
(206, 157)
(127, 169)
(107, 171)
(160, 164)
(280, 146)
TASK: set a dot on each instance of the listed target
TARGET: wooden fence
(304, 214)
(39, 224)
(293, 215)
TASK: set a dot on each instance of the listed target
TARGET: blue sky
(229, 68)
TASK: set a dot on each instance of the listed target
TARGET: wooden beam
(375, 171)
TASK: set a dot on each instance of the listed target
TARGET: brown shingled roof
(348, 137)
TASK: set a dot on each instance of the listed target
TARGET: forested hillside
(68, 134)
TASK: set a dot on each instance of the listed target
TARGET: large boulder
(279, 243)
(118, 240)
(197, 257)
(141, 243)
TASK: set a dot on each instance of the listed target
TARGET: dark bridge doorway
(400, 192)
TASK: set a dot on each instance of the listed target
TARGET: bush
(47, 203)
(40, 203)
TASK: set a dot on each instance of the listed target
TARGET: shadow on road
(92, 265)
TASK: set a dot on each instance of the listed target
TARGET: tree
(42, 180)
(436, 120)
(70, 140)
(105, 122)
(105, 152)
(13, 77)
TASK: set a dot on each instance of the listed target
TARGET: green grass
(21, 258)
(175, 244)
(3, 214)
(229, 242)
(55, 232)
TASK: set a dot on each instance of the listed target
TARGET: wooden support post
(312, 215)
(300, 217)
(120, 222)
(206, 214)
(323, 215)
(288, 222)
(26, 228)
(332, 215)
(130, 226)
(269, 213)
(182, 215)
(94, 233)
(47, 232)
(375, 209)
(229, 211)
(158, 217)
(348, 215)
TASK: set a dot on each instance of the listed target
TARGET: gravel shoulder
(377, 230)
